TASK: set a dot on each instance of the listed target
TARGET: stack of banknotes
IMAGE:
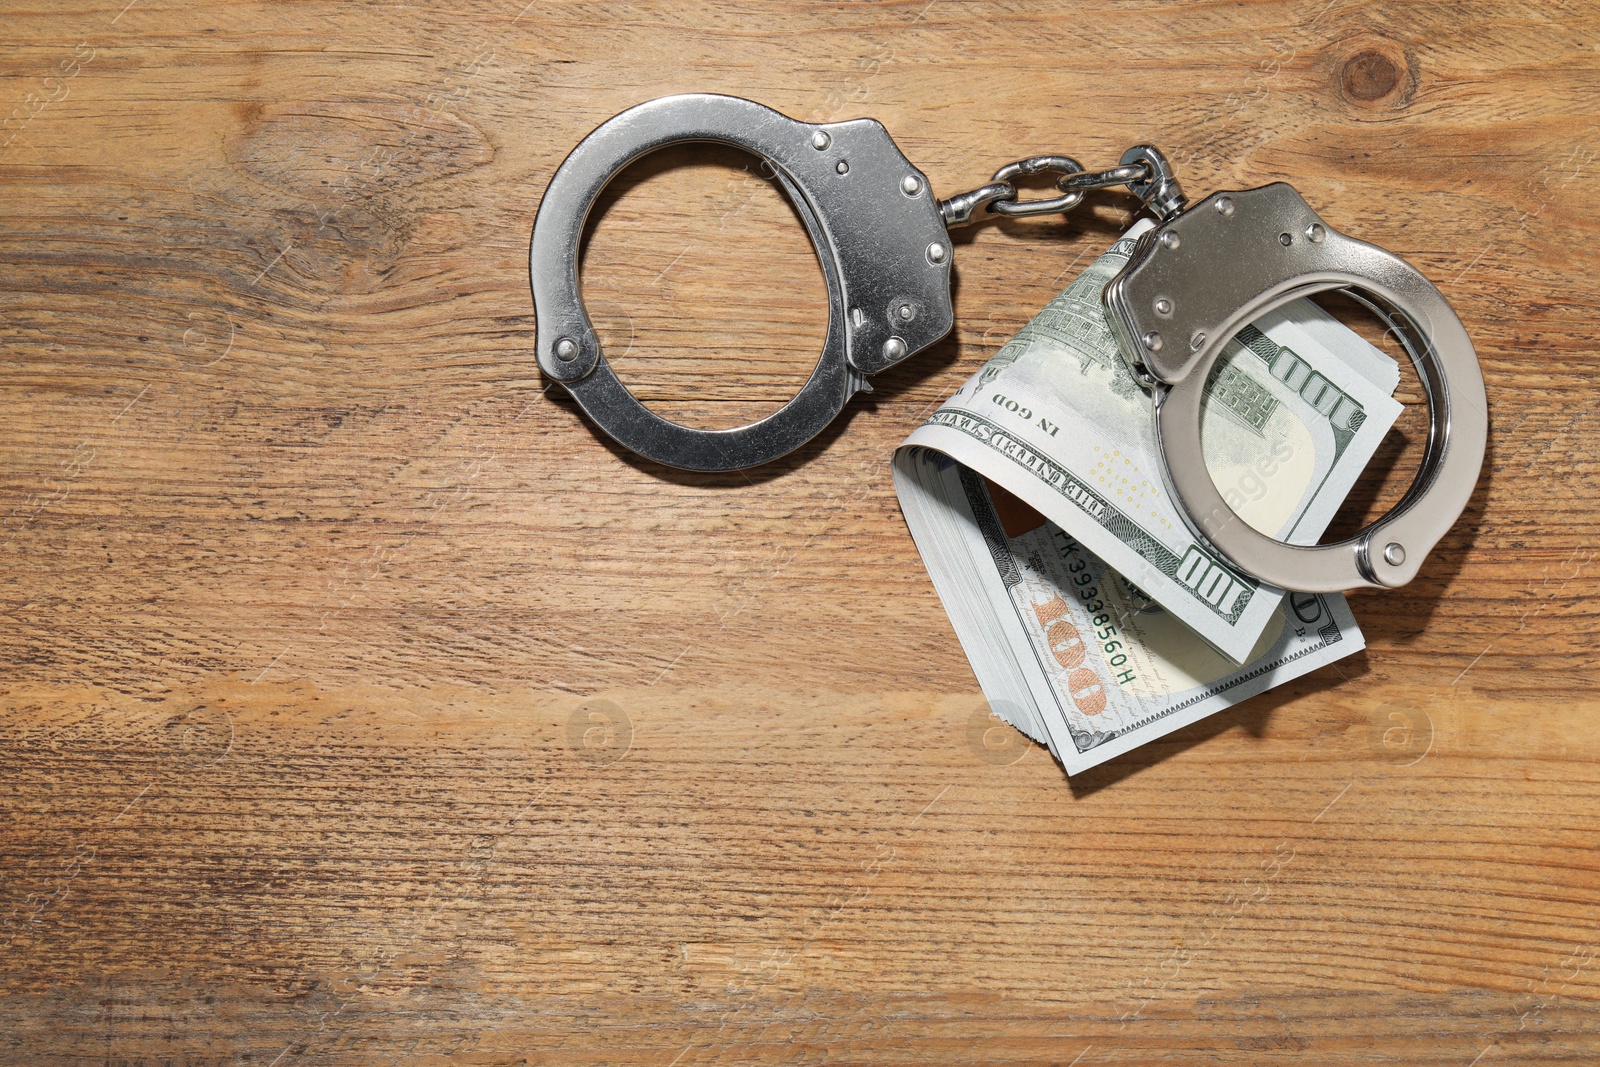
(1094, 620)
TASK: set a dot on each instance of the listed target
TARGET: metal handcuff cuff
(1205, 271)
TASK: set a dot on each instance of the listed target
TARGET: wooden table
(362, 705)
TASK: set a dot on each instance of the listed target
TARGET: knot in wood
(1369, 75)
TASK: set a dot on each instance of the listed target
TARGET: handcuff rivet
(1152, 341)
(566, 350)
(1315, 233)
(1394, 554)
(1286, 239)
(1224, 205)
(937, 252)
(1169, 240)
(842, 167)
(1163, 306)
(820, 140)
(911, 185)
(906, 312)
(894, 349)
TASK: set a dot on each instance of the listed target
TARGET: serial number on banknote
(1064, 641)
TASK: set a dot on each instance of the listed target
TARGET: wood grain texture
(362, 705)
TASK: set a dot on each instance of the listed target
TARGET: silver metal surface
(1230, 265)
(1143, 169)
(963, 209)
(1105, 179)
(875, 239)
(1160, 191)
(1017, 208)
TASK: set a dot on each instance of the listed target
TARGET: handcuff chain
(1149, 176)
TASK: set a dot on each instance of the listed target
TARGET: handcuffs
(1205, 271)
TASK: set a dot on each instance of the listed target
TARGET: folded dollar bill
(1068, 651)
(1296, 407)
(1093, 619)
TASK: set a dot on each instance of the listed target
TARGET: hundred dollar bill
(1294, 409)
(1067, 650)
